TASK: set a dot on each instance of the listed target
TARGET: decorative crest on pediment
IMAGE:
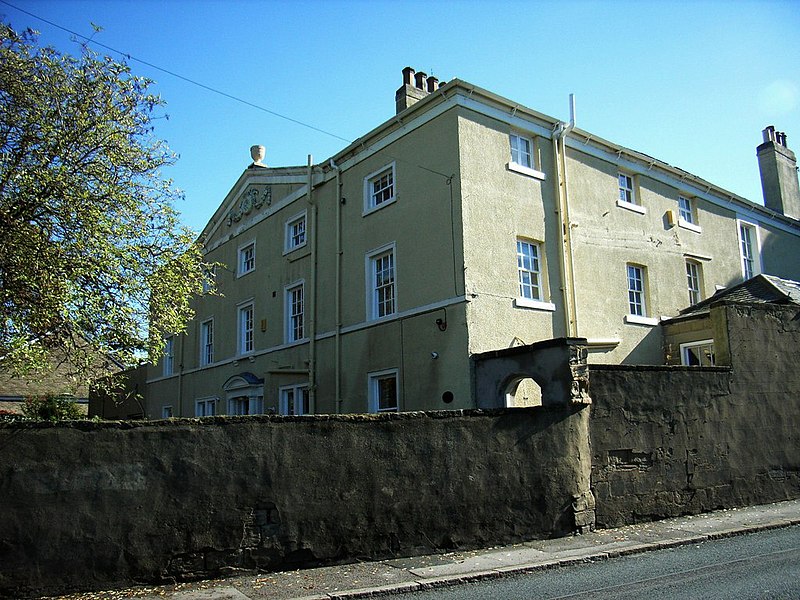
(254, 198)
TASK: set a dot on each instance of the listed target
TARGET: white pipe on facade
(566, 264)
(337, 350)
(312, 299)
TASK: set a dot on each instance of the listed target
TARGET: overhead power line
(177, 75)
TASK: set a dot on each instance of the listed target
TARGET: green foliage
(51, 408)
(93, 259)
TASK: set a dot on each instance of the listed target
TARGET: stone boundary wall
(96, 505)
(670, 441)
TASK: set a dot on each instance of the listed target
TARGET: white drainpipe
(560, 132)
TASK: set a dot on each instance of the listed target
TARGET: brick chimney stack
(778, 167)
(416, 85)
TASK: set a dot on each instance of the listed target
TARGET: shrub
(51, 408)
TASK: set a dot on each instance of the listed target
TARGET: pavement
(385, 577)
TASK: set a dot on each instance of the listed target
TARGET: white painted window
(207, 342)
(247, 258)
(166, 412)
(294, 400)
(636, 291)
(209, 280)
(698, 354)
(246, 329)
(379, 189)
(749, 249)
(206, 407)
(245, 405)
(529, 270)
(295, 232)
(169, 356)
(521, 151)
(294, 313)
(381, 283)
(627, 191)
(693, 275)
(685, 210)
(687, 214)
(384, 391)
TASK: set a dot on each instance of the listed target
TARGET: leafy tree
(93, 259)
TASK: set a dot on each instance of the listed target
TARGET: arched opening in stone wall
(523, 392)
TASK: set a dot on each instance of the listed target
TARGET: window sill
(511, 166)
(239, 275)
(371, 209)
(287, 251)
(534, 304)
(295, 254)
(689, 226)
(632, 207)
(637, 320)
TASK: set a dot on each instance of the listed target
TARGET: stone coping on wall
(89, 425)
(660, 368)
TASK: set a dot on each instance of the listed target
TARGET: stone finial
(257, 153)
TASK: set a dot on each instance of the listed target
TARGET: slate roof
(761, 289)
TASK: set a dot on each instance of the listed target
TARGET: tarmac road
(763, 565)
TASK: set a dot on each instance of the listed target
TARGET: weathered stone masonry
(95, 505)
(668, 441)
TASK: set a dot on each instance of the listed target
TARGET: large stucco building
(463, 224)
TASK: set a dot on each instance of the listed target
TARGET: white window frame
(169, 356)
(533, 271)
(523, 157)
(166, 411)
(694, 281)
(254, 405)
(245, 342)
(684, 350)
(246, 264)
(638, 296)
(209, 279)
(687, 206)
(374, 390)
(291, 236)
(294, 390)
(370, 204)
(749, 270)
(629, 189)
(292, 318)
(374, 299)
(525, 162)
(205, 407)
(207, 342)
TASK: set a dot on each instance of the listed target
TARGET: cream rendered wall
(498, 206)
(429, 278)
(606, 237)
(429, 285)
(780, 252)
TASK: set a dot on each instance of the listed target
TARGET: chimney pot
(433, 84)
(408, 76)
(420, 80)
(769, 133)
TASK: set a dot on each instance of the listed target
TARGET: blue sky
(690, 83)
